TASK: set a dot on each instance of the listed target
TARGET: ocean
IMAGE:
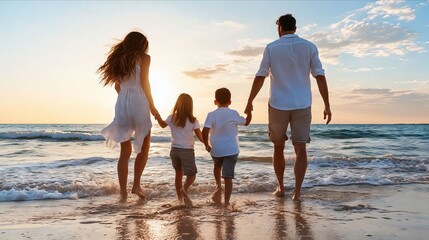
(71, 161)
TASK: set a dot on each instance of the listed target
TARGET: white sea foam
(71, 161)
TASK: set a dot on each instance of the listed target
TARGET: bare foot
(217, 195)
(297, 198)
(139, 193)
(279, 192)
(186, 198)
(123, 198)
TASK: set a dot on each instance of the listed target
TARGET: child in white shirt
(183, 125)
(222, 126)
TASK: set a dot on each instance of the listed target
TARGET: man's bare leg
(279, 169)
(299, 169)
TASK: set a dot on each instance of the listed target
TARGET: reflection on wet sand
(288, 220)
(186, 226)
(286, 213)
(303, 229)
(280, 223)
(132, 228)
(225, 226)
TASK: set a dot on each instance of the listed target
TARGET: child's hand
(208, 148)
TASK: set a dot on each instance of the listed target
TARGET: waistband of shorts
(182, 149)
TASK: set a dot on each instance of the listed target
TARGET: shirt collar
(290, 36)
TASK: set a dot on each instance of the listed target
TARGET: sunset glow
(374, 52)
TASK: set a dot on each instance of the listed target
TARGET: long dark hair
(123, 57)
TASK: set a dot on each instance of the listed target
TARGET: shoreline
(332, 212)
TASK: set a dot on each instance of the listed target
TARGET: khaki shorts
(299, 119)
(182, 158)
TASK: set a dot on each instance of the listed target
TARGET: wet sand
(348, 212)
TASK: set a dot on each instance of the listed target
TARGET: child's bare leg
(217, 194)
(228, 189)
(139, 166)
(188, 182)
(178, 183)
(123, 168)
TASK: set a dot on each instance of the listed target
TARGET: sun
(164, 90)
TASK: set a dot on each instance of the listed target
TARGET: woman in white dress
(127, 67)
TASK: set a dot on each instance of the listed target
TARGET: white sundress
(132, 114)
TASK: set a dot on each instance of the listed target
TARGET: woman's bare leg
(123, 168)
(139, 166)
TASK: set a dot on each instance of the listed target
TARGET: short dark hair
(223, 96)
(287, 21)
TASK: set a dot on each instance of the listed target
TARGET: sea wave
(52, 135)
(66, 136)
(44, 191)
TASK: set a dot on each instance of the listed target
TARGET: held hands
(248, 119)
(327, 113)
(208, 148)
(154, 112)
(248, 111)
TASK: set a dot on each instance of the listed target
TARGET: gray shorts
(227, 163)
(299, 119)
(183, 158)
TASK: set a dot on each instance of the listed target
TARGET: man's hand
(327, 113)
(249, 108)
(248, 118)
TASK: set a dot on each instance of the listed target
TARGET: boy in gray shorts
(222, 126)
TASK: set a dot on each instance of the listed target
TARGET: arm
(258, 82)
(199, 135)
(161, 122)
(205, 134)
(117, 87)
(144, 78)
(323, 89)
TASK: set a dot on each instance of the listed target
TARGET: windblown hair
(183, 110)
(123, 57)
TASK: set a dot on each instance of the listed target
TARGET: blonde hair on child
(183, 110)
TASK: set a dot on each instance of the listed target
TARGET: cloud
(361, 69)
(204, 73)
(372, 105)
(390, 8)
(230, 24)
(371, 91)
(248, 51)
(369, 31)
(414, 82)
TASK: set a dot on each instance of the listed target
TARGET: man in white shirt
(289, 61)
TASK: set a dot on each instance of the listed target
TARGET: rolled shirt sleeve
(315, 64)
(264, 68)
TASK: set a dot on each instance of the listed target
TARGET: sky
(375, 56)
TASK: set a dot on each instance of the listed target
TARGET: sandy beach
(348, 212)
